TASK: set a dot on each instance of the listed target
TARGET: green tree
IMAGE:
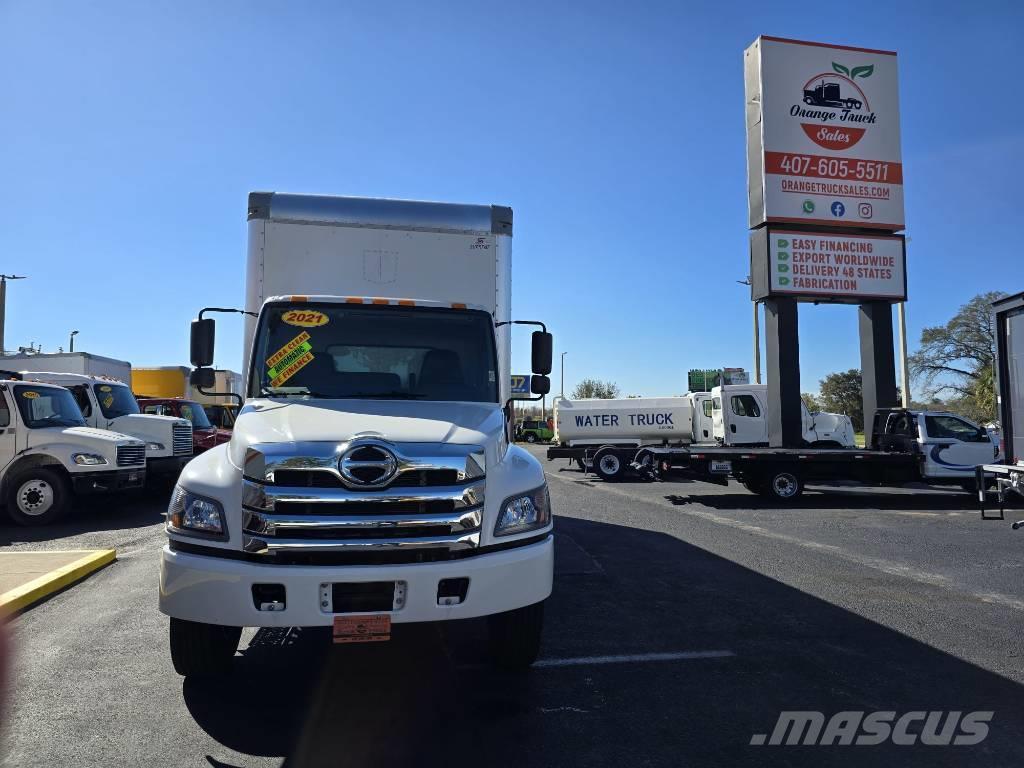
(957, 359)
(843, 393)
(595, 388)
(811, 402)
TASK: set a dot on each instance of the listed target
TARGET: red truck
(204, 434)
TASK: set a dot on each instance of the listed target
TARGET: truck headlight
(87, 459)
(526, 512)
(190, 513)
(154, 446)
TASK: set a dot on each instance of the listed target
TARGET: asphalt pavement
(685, 618)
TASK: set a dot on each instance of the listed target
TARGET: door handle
(733, 428)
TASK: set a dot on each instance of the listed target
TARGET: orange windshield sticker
(305, 318)
(108, 401)
(289, 348)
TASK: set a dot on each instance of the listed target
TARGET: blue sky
(132, 132)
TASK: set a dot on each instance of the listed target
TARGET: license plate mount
(373, 628)
(721, 467)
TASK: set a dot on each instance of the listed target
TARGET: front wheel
(202, 650)
(515, 636)
(38, 496)
(531, 438)
(608, 465)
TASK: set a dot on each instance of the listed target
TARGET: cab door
(745, 419)
(83, 396)
(8, 429)
(703, 419)
(953, 447)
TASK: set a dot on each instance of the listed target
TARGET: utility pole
(904, 368)
(561, 391)
(3, 304)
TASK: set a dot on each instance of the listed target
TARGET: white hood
(83, 435)
(399, 421)
(147, 427)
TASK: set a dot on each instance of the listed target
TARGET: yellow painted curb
(54, 581)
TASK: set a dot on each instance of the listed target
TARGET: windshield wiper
(395, 395)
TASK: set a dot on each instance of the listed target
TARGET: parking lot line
(31, 588)
(632, 658)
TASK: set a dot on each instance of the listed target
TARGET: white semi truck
(605, 434)
(48, 455)
(370, 479)
(108, 403)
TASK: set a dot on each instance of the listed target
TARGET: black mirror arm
(519, 322)
(237, 397)
(227, 311)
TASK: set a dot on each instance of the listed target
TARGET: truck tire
(202, 650)
(531, 438)
(609, 465)
(514, 636)
(38, 496)
(784, 485)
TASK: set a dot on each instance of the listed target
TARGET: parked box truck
(48, 455)
(370, 479)
(1008, 323)
(165, 381)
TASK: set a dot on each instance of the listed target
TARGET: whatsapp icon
(808, 206)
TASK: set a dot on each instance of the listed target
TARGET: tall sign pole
(825, 194)
(3, 305)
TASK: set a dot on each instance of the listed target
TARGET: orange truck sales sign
(823, 135)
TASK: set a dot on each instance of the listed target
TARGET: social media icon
(808, 206)
(838, 209)
(865, 210)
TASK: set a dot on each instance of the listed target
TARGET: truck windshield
(115, 400)
(367, 351)
(47, 407)
(194, 412)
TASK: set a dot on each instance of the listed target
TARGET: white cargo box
(631, 421)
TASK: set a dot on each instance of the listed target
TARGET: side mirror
(540, 385)
(202, 378)
(201, 349)
(541, 354)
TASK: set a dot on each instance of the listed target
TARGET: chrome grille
(131, 455)
(182, 440)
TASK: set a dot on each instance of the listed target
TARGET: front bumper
(103, 482)
(163, 466)
(218, 590)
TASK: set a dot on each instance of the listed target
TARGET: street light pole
(561, 391)
(3, 304)
(71, 341)
(757, 345)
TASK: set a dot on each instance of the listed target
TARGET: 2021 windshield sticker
(30, 395)
(289, 359)
(305, 318)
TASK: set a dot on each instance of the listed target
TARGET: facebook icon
(838, 209)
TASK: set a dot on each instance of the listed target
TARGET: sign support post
(782, 358)
(877, 361)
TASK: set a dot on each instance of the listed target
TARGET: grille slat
(131, 455)
(182, 439)
(410, 478)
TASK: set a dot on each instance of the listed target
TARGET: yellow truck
(172, 381)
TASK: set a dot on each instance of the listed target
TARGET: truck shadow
(832, 497)
(429, 697)
(122, 511)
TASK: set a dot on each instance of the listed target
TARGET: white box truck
(1008, 323)
(370, 479)
(48, 455)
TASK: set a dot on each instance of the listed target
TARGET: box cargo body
(166, 381)
(225, 381)
(71, 362)
(386, 249)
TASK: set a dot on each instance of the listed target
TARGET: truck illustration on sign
(826, 94)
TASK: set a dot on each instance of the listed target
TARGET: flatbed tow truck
(907, 447)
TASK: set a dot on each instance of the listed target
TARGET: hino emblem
(368, 465)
